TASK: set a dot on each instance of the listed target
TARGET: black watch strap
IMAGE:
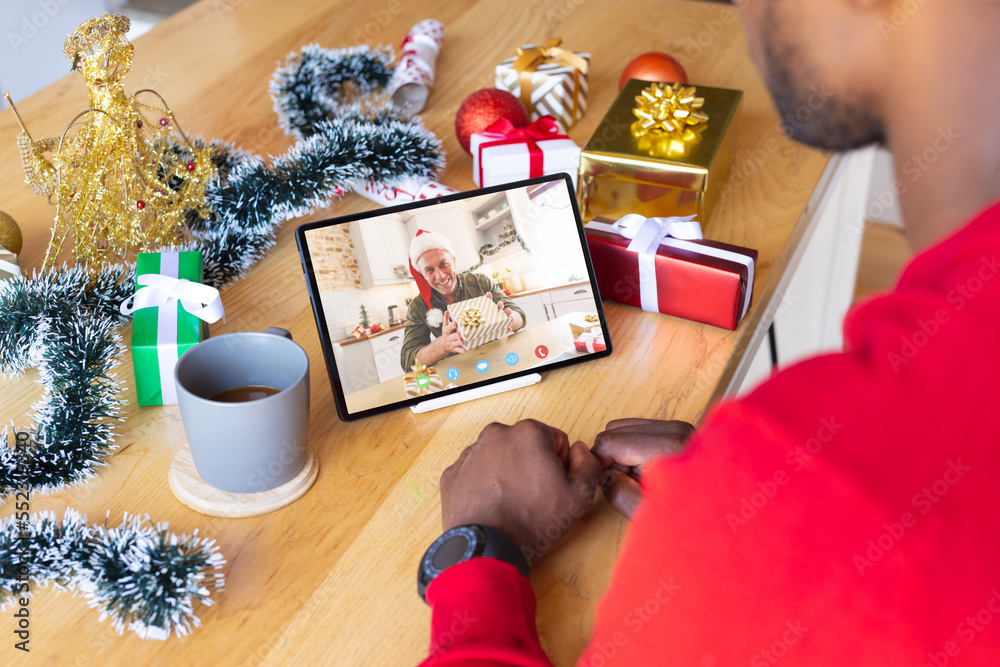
(473, 541)
(501, 547)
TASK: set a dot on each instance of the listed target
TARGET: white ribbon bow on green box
(172, 311)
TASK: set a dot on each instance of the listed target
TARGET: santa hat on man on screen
(421, 243)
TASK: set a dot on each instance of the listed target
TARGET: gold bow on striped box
(479, 321)
(549, 79)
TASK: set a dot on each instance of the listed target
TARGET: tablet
(441, 296)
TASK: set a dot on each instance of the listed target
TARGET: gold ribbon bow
(669, 118)
(413, 378)
(528, 60)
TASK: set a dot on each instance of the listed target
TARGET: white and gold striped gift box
(479, 321)
(558, 88)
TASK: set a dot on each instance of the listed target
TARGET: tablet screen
(442, 295)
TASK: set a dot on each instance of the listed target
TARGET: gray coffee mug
(254, 445)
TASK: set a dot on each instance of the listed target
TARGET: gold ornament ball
(10, 234)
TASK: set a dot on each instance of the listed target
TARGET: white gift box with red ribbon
(504, 154)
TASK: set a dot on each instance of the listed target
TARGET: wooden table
(331, 579)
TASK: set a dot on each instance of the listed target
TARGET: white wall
(33, 32)
(31, 54)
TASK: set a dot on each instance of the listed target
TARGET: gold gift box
(621, 173)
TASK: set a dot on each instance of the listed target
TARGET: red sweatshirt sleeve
(483, 614)
(844, 513)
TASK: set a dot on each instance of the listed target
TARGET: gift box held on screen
(479, 321)
(172, 311)
(662, 265)
(504, 154)
(661, 150)
(549, 80)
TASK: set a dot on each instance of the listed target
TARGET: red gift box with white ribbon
(590, 341)
(504, 154)
(664, 265)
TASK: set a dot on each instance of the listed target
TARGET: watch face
(450, 552)
(456, 545)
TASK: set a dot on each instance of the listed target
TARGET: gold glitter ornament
(123, 175)
(10, 234)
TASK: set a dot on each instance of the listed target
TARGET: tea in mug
(244, 394)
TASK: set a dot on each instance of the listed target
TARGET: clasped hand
(529, 482)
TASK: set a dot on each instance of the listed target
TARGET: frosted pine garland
(69, 329)
(312, 86)
(142, 577)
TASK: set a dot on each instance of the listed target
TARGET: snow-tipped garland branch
(143, 577)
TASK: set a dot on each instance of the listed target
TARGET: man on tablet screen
(430, 333)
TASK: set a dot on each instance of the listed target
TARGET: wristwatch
(463, 543)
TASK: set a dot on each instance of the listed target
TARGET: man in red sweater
(845, 512)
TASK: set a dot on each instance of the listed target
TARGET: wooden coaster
(191, 490)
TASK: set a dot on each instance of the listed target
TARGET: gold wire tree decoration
(123, 175)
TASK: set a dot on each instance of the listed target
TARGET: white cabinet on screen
(535, 311)
(380, 245)
(568, 300)
(355, 365)
(549, 305)
(385, 351)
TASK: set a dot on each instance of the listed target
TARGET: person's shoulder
(416, 309)
(481, 280)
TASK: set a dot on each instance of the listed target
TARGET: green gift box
(165, 324)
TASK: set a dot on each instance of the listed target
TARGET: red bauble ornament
(653, 66)
(485, 107)
(140, 204)
(190, 166)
